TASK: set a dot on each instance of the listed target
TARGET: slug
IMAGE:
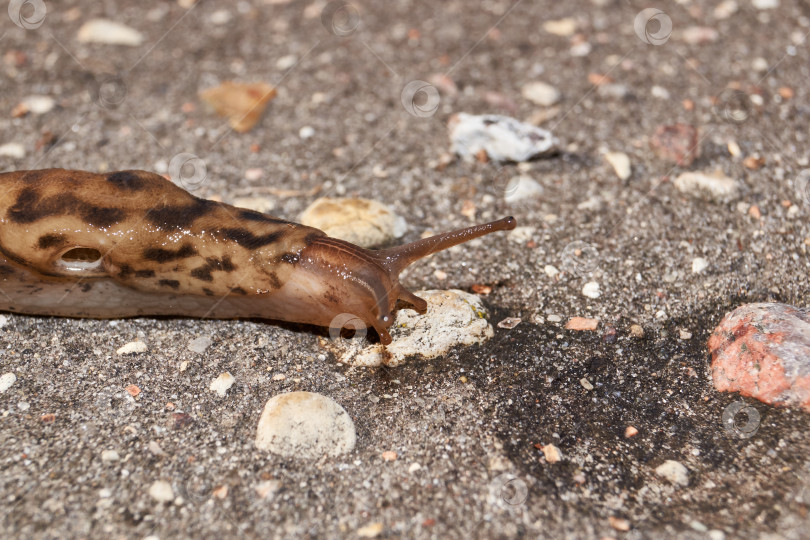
(131, 243)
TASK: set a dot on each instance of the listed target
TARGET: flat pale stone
(222, 384)
(109, 32)
(13, 150)
(364, 222)
(132, 347)
(699, 264)
(500, 138)
(540, 93)
(199, 344)
(715, 186)
(161, 491)
(453, 318)
(620, 163)
(6, 380)
(305, 425)
(673, 471)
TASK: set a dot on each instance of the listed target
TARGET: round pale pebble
(161, 491)
(674, 471)
(540, 93)
(6, 380)
(363, 222)
(305, 425)
(109, 32)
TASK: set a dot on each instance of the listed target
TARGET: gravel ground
(469, 428)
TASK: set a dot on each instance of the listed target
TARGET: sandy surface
(474, 420)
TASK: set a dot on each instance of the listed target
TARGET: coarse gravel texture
(475, 420)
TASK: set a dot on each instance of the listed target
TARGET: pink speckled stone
(763, 351)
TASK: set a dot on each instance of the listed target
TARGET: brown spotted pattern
(151, 235)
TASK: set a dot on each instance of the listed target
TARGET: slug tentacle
(130, 243)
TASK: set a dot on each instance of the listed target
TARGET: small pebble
(716, 186)
(133, 347)
(133, 390)
(586, 384)
(619, 524)
(453, 318)
(630, 431)
(109, 455)
(551, 453)
(220, 492)
(550, 270)
(684, 334)
(591, 290)
(414, 467)
(388, 455)
(199, 344)
(220, 16)
(12, 150)
(6, 380)
(161, 491)
(38, 104)
(372, 530)
(222, 384)
(699, 264)
(580, 323)
(660, 92)
(673, 471)
(509, 323)
(636, 331)
(306, 132)
(279, 377)
(556, 318)
(521, 235)
(364, 222)
(698, 35)
(109, 32)
(541, 93)
(286, 62)
(254, 173)
(620, 163)
(561, 27)
(765, 4)
(305, 425)
(522, 188)
(499, 138)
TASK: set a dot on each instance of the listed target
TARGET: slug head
(365, 283)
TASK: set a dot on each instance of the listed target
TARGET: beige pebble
(389, 456)
(133, 347)
(161, 491)
(630, 431)
(109, 32)
(620, 163)
(372, 530)
(222, 384)
(551, 453)
(637, 331)
(364, 222)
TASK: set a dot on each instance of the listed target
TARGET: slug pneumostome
(130, 243)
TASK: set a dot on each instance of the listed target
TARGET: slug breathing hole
(81, 259)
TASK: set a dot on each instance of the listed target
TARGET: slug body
(130, 243)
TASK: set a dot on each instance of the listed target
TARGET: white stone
(561, 27)
(222, 384)
(161, 491)
(6, 380)
(39, 104)
(673, 471)
(109, 32)
(699, 264)
(133, 347)
(12, 150)
(591, 290)
(550, 270)
(109, 455)
(305, 425)
(521, 188)
(684, 334)
(199, 344)
(221, 16)
(286, 62)
(364, 222)
(765, 4)
(521, 235)
(660, 92)
(453, 318)
(306, 132)
(620, 163)
(715, 186)
(554, 318)
(502, 138)
(541, 93)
